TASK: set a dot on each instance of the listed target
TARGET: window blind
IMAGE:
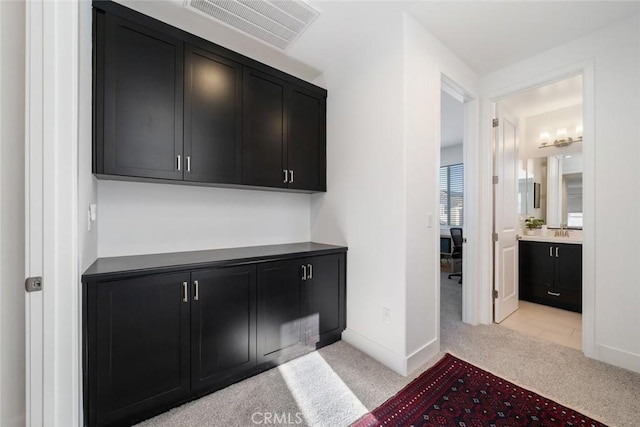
(452, 195)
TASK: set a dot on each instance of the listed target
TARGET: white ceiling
(489, 35)
(486, 35)
(555, 96)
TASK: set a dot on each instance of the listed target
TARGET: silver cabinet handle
(188, 163)
(291, 180)
(550, 250)
(179, 161)
(553, 294)
(286, 178)
(185, 295)
(304, 272)
(310, 271)
(196, 295)
(557, 248)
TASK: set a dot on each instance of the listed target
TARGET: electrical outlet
(386, 315)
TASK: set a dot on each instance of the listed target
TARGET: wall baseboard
(422, 355)
(378, 352)
(397, 363)
(617, 357)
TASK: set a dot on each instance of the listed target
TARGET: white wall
(139, 218)
(550, 121)
(12, 302)
(87, 184)
(383, 160)
(612, 296)
(452, 155)
(364, 203)
(425, 60)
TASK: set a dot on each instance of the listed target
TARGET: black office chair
(456, 236)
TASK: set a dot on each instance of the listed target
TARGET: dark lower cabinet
(141, 346)
(279, 310)
(155, 340)
(223, 326)
(551, 274)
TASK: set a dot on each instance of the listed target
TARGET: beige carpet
(336, 385)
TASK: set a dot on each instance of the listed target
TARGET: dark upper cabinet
(284, 134)
(306, 139)
(223, 325)
(141, 330)
(264, 136)
(140, 100)
(212, 117)
(551, 274)
(171, 106)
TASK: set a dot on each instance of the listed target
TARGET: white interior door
(506, 224)
(34, 213)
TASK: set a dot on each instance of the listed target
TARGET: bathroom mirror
(558, 197)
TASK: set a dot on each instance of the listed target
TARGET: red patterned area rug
(456, 393)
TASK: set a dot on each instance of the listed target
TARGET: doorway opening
(451, 210)
(538, 167)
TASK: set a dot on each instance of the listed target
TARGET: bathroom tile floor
(548, 323)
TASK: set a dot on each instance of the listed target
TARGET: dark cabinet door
(212, 118)
(143, 95)
(324, 296)
(306, 139)
(264, 136)
(141, 346)
(568, 273)
(223, 324)
(536, 262)
(279, 309)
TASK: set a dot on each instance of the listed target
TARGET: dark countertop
(113, 267)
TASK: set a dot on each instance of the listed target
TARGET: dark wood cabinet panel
(324, 296)
(264, 137)
(306, 139)
(142, 101)
(223, 325)
(279, 310)
(171, 106)
(212, 116)
(551, 274)
(158, 331)
(141, 329)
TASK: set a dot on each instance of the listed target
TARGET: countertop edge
(147, 265)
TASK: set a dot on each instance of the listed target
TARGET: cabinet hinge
(495, 294)
(495, 237)
(495, 179)
(495, 123)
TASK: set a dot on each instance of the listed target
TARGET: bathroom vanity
(550, 271)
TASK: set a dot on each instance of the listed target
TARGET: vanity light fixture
(562, 140)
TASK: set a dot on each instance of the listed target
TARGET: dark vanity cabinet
(171, 107)
(159, 330)
(551, 274)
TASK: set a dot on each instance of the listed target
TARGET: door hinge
(33, 284)
(495, 179)
(495, 123)
(495, 294)
(495, 237)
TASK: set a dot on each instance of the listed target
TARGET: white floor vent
(277, 22)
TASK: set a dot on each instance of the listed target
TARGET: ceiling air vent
(277, 22)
